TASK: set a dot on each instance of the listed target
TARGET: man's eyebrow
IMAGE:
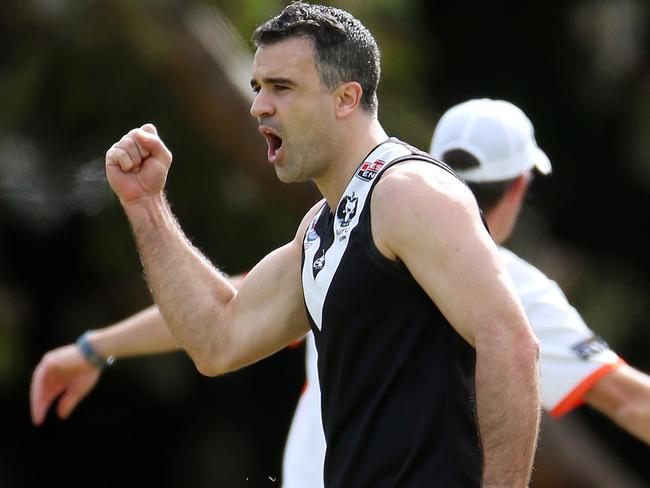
(273, 81)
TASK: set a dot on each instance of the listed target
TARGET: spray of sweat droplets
(40, 194)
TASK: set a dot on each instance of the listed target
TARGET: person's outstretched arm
(624, 396)
(66, 373)
(220, 328)
(576, 366)
(430, 221)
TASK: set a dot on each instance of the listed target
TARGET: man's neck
(355, 144)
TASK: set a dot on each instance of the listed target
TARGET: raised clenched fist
(137, 165)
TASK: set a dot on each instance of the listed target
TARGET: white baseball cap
(497, 133)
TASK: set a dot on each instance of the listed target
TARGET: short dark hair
(487, 194)
(344, 49)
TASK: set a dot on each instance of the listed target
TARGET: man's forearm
(187, 288)
(508, 409)
(142, 333)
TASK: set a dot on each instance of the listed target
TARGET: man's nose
(262, 105)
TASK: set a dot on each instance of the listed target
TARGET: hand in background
(61, 372)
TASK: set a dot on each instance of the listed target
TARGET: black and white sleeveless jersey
(397, 381)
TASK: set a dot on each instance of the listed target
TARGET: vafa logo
(347, 209)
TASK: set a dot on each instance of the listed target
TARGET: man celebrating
(491, 143)
(427, 364)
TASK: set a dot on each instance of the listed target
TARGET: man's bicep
(437, 231)
(463, 276)
(268, 311)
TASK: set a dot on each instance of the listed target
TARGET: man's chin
(287, 176)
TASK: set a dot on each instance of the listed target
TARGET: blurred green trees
(74, 76)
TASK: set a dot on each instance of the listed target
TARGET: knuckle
(115, 154)
(130, 147)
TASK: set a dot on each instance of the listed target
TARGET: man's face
(295, 111)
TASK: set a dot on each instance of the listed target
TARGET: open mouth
(274, 143)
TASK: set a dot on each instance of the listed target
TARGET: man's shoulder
(411, 190)
(412, 175)
(414, 154)
(420, 191)
(415, 198)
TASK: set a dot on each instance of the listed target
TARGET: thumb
(150, 128)
(149, 144)
(152, 145)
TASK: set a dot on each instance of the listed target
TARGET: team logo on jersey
(312, 235)
(590, 347)
(368, 171)
(347, 209)
(319, 263)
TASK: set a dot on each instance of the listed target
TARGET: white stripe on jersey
(315, 288)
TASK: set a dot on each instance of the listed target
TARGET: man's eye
(281, 87)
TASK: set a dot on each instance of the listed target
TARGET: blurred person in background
(491, 144)
(409, 384)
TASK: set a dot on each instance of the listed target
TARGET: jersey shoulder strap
(419, 155)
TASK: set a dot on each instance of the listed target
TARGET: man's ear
(517, 190)
(348, 98)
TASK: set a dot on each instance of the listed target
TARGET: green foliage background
(74, 76)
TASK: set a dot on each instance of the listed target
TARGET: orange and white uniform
(572, 357)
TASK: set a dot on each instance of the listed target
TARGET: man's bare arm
(143, 333)
(624, 396)
(430, 221)
(65, 376)
(220, 328)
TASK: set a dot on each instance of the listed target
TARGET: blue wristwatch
(90, 354)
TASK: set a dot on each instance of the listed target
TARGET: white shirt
(572, 360)
(304, 453)
(572, 357)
